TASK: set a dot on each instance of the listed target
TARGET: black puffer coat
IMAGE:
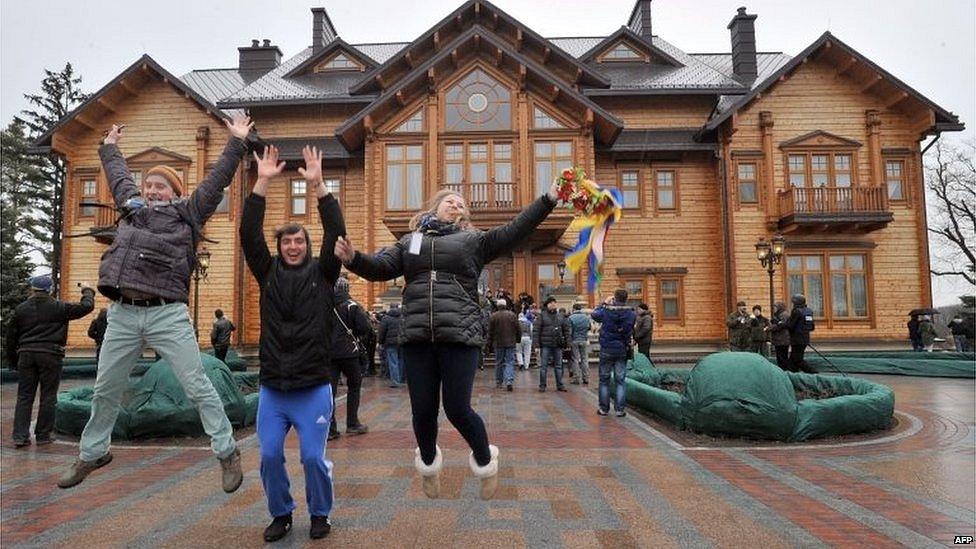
(296, 302)
(440, 299)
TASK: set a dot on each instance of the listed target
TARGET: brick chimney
(640, 19)
(743, 28)
(258, 59)
(322, 30)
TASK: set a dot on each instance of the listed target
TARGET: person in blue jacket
(616, 320)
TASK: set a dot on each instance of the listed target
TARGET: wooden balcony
(491, 205)
(849, 209)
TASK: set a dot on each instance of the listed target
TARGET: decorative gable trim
(158, 155)
(627, 36)
(819, 139)
(326, 54)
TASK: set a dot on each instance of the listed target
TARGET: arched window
(478, 103)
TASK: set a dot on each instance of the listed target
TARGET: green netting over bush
(906, 363)
(156, 405)
(85, 367)
(745, 395)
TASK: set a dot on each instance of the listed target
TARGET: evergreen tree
(60, 94)
(17, 171)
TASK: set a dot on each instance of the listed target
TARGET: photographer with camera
(616, 330)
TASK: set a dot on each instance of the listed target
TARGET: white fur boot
(488, 474)
(431, 474)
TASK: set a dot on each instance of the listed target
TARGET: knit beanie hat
(170, 175)
(41, 283)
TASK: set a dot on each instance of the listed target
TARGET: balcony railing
(866, 207)
(833, 200)
(486, 196)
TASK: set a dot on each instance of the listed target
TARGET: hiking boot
(278, 528)
(231, 474)
(357, 430)
(488, 474)
(21, 443)
(81, 469)
(321, 526)
(431, 474)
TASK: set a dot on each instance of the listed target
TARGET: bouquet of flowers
(597, 210)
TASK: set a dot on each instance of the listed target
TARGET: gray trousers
(579, 364)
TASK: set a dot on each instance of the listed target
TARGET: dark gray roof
(290, 148)
(659, 140)
(767, 63)
(214, 84)
(578, 45)
(382, 51)
(274, 88)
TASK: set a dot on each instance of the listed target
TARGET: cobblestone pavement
(568, 478)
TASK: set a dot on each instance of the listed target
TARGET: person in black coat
(389, 336)
(36, 336)
(96, 331)
(220, 334)
(913, 333)
(800, 324)
(350, 330)
(441, 260)
(779, 335)
(296, 305)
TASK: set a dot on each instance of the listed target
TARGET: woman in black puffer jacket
(442, 329)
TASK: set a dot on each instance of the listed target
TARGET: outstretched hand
(312, 172)
(553, 192)
(344, 250)
(240, 126)
(268, 165)
(112, 136)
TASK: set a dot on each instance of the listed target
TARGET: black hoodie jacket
(296, 302)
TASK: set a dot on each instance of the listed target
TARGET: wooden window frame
(500, 80)
(292, 196)
(490, 142)
(849, 297)
(660, 297)
(323, 66)
(341, 195)
(604, 57)
(642, 280)
(831, 166)
(422, 162)
(826, 273)
(757, 166)
(553, 160)
(621, 170)
(903, 160)
(675, 189)
(421, 111)
(81, 177)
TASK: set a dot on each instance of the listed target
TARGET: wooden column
(525, 185)
(768, 168)
(203, 139)
(433, 150)
(872, 120)
(372, 162)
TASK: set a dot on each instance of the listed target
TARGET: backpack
(808, 324)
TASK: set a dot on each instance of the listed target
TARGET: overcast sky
(929, 45)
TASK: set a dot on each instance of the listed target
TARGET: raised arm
(74, 311)
(330, 214)
(117, 173)
(210, 191)
(252, 220)
(500, 240)
(385, 265)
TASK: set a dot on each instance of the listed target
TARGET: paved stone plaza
(569, 478)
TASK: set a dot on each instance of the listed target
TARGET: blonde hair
(463, 222)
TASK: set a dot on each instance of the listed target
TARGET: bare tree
(950, 175)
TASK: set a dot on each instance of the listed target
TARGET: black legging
(783, 357)
(436, 368)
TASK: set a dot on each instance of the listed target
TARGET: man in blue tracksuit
(616, 330)
(296, 325)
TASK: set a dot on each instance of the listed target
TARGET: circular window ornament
(477, 102)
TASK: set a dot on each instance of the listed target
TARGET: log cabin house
(711, 150)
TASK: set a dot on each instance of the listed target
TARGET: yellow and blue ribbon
(594, 229)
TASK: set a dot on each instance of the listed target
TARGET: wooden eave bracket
(553, 93)
(431, 81)
(898, 98)
(847, 66)
(519, 40)
(522, 76)
(498, 57)
(368, 128)
(408, 57)
(874, 81)
(401, 99)
(546, 53)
